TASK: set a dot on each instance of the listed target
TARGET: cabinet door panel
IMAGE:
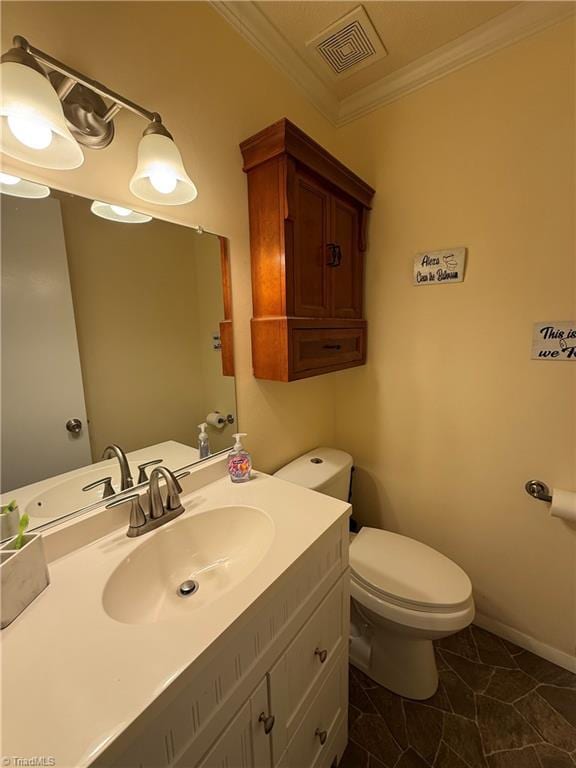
(233, 747)
(345, 279)
(309, 257)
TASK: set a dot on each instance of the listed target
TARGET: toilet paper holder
(538, 490)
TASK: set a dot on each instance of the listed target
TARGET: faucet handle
(142, 476)
(137, 514)
(108, 487)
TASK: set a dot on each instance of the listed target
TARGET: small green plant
(8, 507)
(22, 525)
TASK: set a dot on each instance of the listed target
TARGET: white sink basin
(216, 549)
(68, 495)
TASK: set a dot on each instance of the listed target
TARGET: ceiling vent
(348, 44)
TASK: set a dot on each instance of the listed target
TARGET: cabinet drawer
(314, 737)
(307, 662)
(326, 347)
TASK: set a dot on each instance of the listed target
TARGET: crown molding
(252, 24)
(519, 22)
(508, 28)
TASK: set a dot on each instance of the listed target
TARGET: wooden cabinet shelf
(308, 216)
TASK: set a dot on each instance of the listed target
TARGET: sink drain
(188, 587)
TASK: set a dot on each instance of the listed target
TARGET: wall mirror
(115, 331)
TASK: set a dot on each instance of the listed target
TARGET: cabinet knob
(322, 654)
(322, 735)
(268, 721)
(332, 346)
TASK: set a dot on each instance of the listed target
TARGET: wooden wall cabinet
(308, 216)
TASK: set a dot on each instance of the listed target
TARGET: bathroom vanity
(250, 669)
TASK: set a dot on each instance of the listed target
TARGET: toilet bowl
(404, 594)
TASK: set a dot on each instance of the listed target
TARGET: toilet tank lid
(316, 468)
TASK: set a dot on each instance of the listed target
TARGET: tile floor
(497, 706)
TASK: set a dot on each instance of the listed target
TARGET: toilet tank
(325, 470)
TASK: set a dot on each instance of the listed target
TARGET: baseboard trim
(547, 652)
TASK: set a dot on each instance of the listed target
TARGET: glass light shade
(17, 187)
(118, 213)
(160, 176)
(32, 123)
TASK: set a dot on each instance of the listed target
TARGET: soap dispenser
(239, 461)
(203, 444)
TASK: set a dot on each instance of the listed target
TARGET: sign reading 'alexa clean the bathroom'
(554, 341)
(437, 267)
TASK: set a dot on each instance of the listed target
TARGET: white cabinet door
(244, 743)
(234, 747)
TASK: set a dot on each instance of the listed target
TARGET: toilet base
(403, 665)
(398, 658)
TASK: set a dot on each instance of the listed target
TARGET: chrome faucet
(126, 480)
(159, 512)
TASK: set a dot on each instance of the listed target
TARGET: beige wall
(213, 90)
(450, 417)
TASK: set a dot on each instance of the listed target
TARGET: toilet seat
(400, 578)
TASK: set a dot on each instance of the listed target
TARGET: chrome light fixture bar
(48, 109)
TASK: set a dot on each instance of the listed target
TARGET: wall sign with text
(554, 341)
(437, 267)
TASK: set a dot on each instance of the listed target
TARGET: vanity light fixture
(160, 176)
(48, 109)
(118, 213)
(32, 123)
(17, 187)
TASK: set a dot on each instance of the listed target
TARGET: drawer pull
(335, 255)
(332, 346)
(268, 721)
(322, 654)
(322, 735)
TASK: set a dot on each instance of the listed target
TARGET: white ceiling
(423, 41)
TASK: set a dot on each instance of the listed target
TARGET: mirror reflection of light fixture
(17, 187)
(48, 109)
(118, 213)
(160, 176)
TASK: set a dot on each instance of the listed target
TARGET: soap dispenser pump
(239, 461)
(203, 444)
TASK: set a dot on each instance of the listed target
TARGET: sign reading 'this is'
(436, 267)
(554, 341)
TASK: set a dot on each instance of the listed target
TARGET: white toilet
(404, 593)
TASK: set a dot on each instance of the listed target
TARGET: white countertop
(73, 678)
